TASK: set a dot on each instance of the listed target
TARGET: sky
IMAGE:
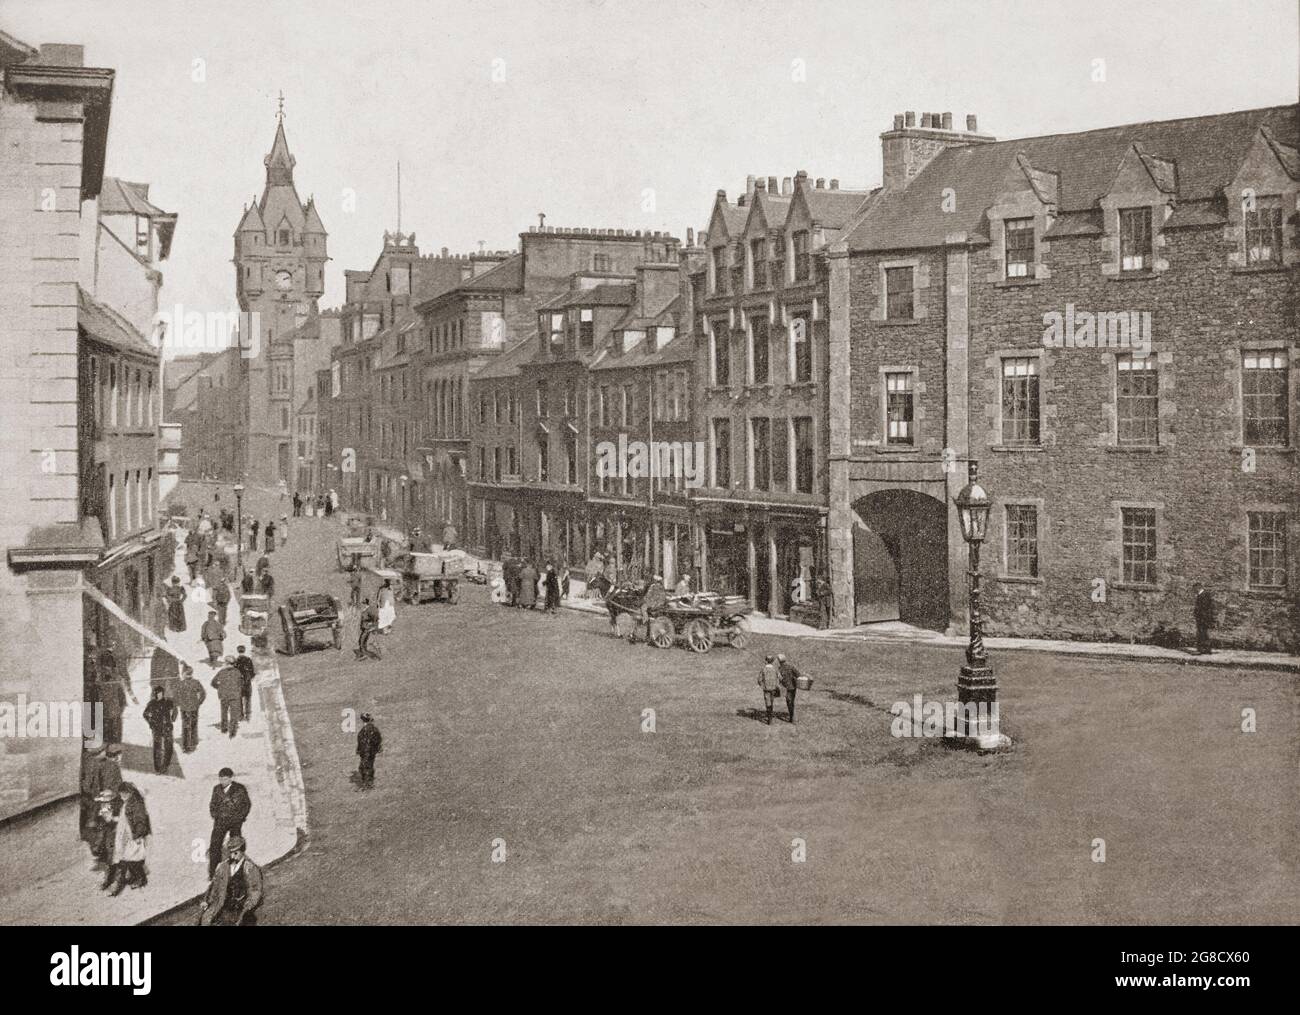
(605, 113)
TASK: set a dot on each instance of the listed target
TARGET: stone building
(761, 367)
(1107, 322)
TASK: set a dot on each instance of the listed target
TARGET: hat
(226, 772)
(235, 842)
(769, 659)
(366, 717)
(780, 657)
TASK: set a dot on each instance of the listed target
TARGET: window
(399, 280)
(606, 408)
(97, 405)
(719, 269)
(512, 404)
(149, 418)
(1135, 239)
(721, 356)
(801, 258)
(284, 237)
(112, 506)
(738, 267)
(898, 408)
(142, 235)
(803, 453)
(759, 349)
(482, 407)
(570, 400)
(112, 394)
(512, 460)
(586, 328)
(601, 262)
(760, 444)
(1264, 231)
(1267, 549)
(571, 460)
(496, 407)
(1264, 387)
(1139, 544)
(543, 460)
(1022, 540)
(1020, 247)
(800, 349)
(898, 293)
(780, 454)
(722, 452)
(557, 334)
(1137, 401)
(496, 464)
(482, 463)
(1020, 400)
(541, 399)
(629, 404)
(758, 256)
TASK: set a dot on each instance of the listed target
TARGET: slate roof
(506, 364)
(1207, 152)
(606, 294)
(122, 197)
(834, 208)
(104, 324)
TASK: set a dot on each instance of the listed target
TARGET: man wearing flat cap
(228, 808)
(235, 891)
(229, 683)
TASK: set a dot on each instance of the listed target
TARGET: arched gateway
(900, 559)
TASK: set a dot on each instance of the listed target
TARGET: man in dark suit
(247, 673)
(1204, 618)
(229, 808)
(788, 674)
(160, 714)
(235, 891)
(369, 744)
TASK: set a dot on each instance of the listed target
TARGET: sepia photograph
(707, 463)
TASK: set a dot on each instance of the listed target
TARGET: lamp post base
(977, 722)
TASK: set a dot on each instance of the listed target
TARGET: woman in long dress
(387, 601)
(130, 841)
(175, 596)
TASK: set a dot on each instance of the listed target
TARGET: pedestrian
(297, 504)
(103, 786)
(92, 764)
(552, 585)
(825, 601)
(192, 559)
(221, 596)
(175, 605)
(213, 634)
(788, 677)
(230, 693)
(270, 536)
(449, 536)
(268, 584)
(160, 714)
(235, 890)
(369, 743)
(354, 584)
(1204, 611)
(284, 530)
(510, 572)
(332, 504)
(369, 624)
(387, 603)
(159, 625)
(247, 673)
(769, 683)
(246, 584)
(263, 563)
(189, 696)
(284, 490)
(253, 527)
(228, 808)
(130, 842)
(113, 700)
(527, 596)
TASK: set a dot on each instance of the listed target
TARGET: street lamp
(977, 687)
(239, 530)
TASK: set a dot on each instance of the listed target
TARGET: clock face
(283, 280)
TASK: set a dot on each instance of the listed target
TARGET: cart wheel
(624, 626)
(661, 633)
(739, 632)
(699, 636)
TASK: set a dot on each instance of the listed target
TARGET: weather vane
(279, 115)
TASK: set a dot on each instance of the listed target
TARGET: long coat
(175, 607)
(131, 838)
(527, 585)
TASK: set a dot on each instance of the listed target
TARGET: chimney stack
(905, 152)
(690, 236)
(971, 123)
(772, 185)
(909, 119)
(835, 184)
(749, 184)
(821, 183)
(786, 187)
(898, 121)
(740, 201)
(925, 119)
(947, 121)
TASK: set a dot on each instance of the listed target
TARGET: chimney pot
(947, 121)
(749, 184)
(771, 185)
(740, 201)
(444, 251)
(821, 183)
(690, 236)
(971, 123)
(898, 121)
(835, 184)
(909, 118)
(760, 185)
(786, 186)
(925, 119)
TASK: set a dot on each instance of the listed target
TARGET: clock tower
(279, 276)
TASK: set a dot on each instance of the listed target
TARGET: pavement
(263, 756)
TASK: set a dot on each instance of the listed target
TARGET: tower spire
(279, 113)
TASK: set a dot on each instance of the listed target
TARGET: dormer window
(719, 270)
(1135, 239)
(142, 235)
(758, 257)
(557, 334)
(1264, 231)
(586, 328)
(1020, 247)
(801, 261)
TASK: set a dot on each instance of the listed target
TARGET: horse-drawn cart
(429, 576)
(696, 620)
(254, 612)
